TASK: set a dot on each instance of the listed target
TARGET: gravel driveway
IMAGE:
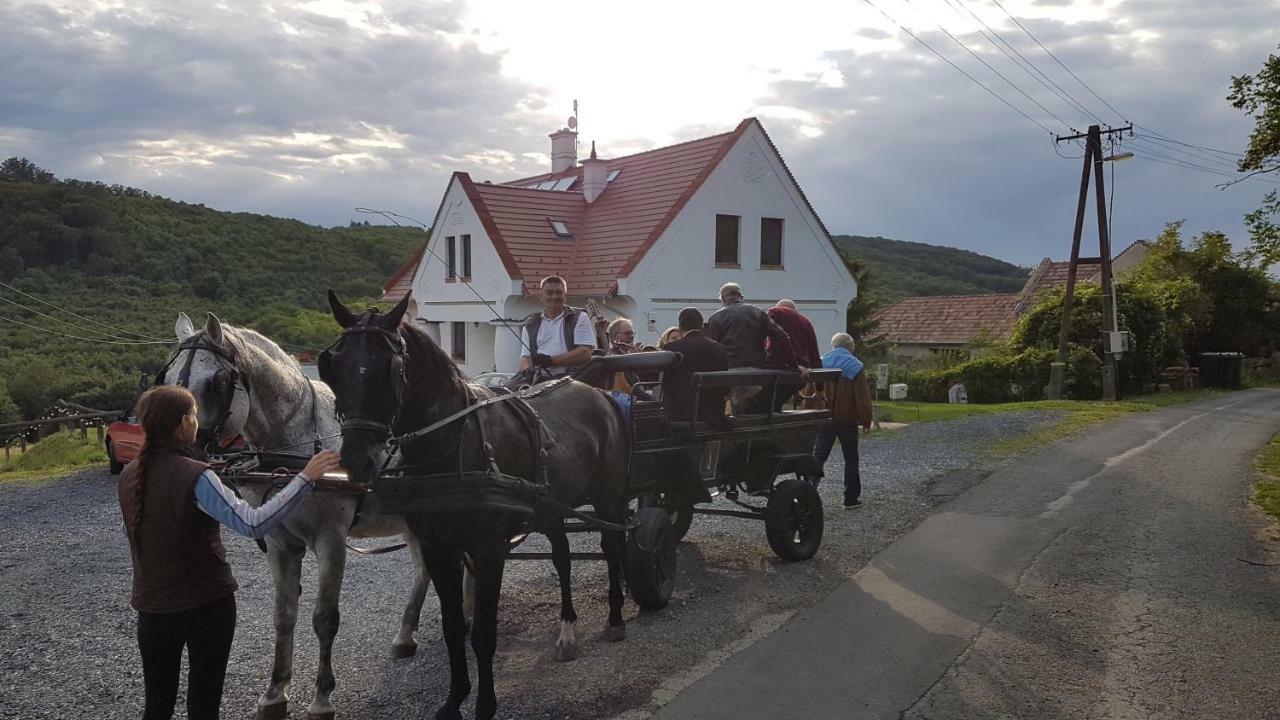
(67, 632)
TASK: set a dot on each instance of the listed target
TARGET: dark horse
(391, 380)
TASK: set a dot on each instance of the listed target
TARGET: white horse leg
(285, 560)
(406, 642)
(331, 557)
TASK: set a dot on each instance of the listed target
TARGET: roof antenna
(573, 125)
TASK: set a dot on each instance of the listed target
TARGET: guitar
(599, 323)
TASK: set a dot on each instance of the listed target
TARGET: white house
(644, 235)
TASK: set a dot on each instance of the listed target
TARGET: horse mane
(252, 338)
(439, 364)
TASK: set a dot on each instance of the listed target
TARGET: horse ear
(341, 312)
(213, 330)
(183, 328)
(397, 313)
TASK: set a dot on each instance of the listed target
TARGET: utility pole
(1092, 163)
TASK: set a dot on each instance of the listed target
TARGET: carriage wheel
(793, 520)
(681, 511)
(651, 559)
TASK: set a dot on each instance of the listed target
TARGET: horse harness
(225, 380)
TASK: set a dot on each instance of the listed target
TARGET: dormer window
(560, 228)
(613, 174)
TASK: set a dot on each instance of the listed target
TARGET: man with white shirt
(559, 338)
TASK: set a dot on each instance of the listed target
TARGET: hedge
(1007, 378)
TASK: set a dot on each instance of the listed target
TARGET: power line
(1055, 59)
(1043, 79)
(1179, 142)
(1232, 173)
(64, 322)
(1012, 84)
(958, 68)
(95, 322)
(1173, 153)
(1207, 155)
(92, 340)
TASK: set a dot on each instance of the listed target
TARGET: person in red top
(804, 346)
(804, 341)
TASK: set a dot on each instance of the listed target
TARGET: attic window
(560, 228)
(565, 183)
(612, 175)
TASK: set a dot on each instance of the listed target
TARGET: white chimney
(564, 149)
(595, 173)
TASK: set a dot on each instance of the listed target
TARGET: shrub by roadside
(1266, 493)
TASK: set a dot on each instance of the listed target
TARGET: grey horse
(245, 384)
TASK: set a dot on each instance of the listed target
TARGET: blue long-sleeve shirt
(220, 503)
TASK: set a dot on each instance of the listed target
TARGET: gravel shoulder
(67, 632)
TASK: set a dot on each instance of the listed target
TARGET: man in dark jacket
(743, 328)
(701, 354)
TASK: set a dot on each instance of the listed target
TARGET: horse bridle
(229, 378)
(400, 353)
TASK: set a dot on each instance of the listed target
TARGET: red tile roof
(1050, 274)
(948, 319)
(609, 236)
(401, 283)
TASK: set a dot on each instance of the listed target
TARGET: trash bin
(1220, 369)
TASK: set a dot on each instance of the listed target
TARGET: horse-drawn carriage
(465, 472)
(675, 469)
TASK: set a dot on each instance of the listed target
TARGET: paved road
(1121, 574)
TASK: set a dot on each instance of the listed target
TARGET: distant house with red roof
(644, 235)
(918, 326)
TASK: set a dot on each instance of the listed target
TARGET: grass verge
(58, 454)
(1077, 414)
(1266, 492)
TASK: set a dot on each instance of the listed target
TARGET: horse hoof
(274, 711)
(408, 650)
(448, 713)
(566, 652)
(614, 633)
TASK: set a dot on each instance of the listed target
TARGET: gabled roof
(948, 319)
(609, 236)
(401, 283)
(1049, 275)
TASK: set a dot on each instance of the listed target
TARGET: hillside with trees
(131, 260)
(903, 269)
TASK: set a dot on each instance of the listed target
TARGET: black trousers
(847, 432)
(206, 632)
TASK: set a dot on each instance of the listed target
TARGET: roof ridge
(572, 168)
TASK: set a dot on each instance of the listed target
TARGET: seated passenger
(701, 354)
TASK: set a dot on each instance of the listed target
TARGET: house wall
(680, 269)
(440, 301)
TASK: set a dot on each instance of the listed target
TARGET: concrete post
(1057, 376)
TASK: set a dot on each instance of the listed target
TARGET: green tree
(860, 320)
(17, 169)
(9, 411)
(1259, 96)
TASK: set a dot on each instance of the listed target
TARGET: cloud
(912, 149)
(248, 105)
(310, 108)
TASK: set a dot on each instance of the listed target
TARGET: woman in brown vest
(183, 589)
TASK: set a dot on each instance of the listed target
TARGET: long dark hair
(161, 410)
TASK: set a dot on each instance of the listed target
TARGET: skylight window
(612, 174)
(545, 185)
(560, 228)
(565, 183)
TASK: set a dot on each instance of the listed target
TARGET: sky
(312, 109)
